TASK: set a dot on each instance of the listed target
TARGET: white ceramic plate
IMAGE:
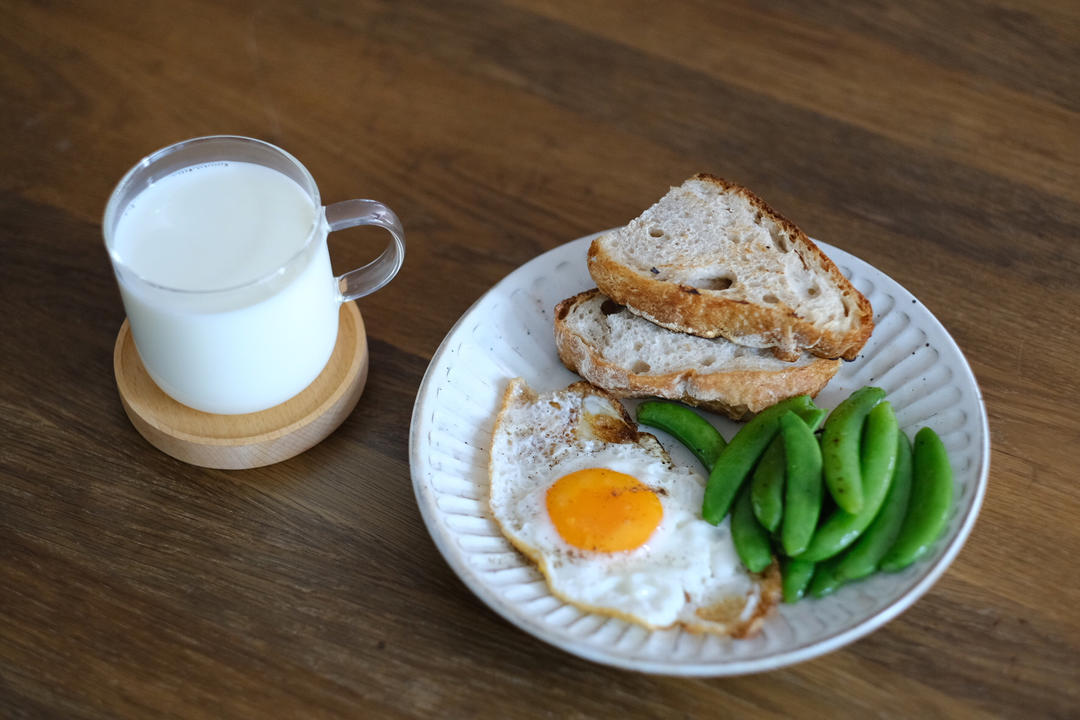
(508, 333)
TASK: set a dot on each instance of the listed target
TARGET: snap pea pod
(750, 538)
(795, 576)
(840, 442)
(686, 426)
(862, 558)
(825, 582)
(802, 497)
(767, 483)
(813, 418)
(878, 461)
(736, 460)
(931, 501)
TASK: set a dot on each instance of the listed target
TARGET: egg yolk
(602, 510)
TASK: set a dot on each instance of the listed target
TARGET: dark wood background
(940, 141)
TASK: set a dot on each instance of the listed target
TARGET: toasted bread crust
(709, 313)
(735, 394)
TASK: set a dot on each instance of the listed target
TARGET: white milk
(250, 315)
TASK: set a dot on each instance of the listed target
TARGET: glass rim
(112, 208)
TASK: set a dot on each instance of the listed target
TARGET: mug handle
(377, 273)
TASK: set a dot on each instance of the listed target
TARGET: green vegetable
(903, 495)
(737, 459)
(767, 484)
(686, 426)
(795, 576)
(878, 462)
(813, 417)
(751, 539)
(840, 444)
(825, 582)
(931, 501)
(802, 498)
(863, 557)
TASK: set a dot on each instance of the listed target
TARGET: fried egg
(612, 524)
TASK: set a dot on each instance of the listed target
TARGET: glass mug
(219, 248)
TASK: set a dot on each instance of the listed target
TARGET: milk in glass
(237, 307)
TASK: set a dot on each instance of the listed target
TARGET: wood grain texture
(936, 140)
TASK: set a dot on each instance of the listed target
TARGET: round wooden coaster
(255, 439)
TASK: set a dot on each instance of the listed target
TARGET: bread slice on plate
(712, 259)
(631, 357)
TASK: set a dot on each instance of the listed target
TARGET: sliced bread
(712, 259)
(631, 357)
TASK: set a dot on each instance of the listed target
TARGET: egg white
(686, 565)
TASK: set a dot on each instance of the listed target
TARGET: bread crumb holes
(778, 237)
(717, 283)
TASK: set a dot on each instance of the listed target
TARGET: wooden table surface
(939, 141)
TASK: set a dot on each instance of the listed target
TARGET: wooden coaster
(245, 441)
